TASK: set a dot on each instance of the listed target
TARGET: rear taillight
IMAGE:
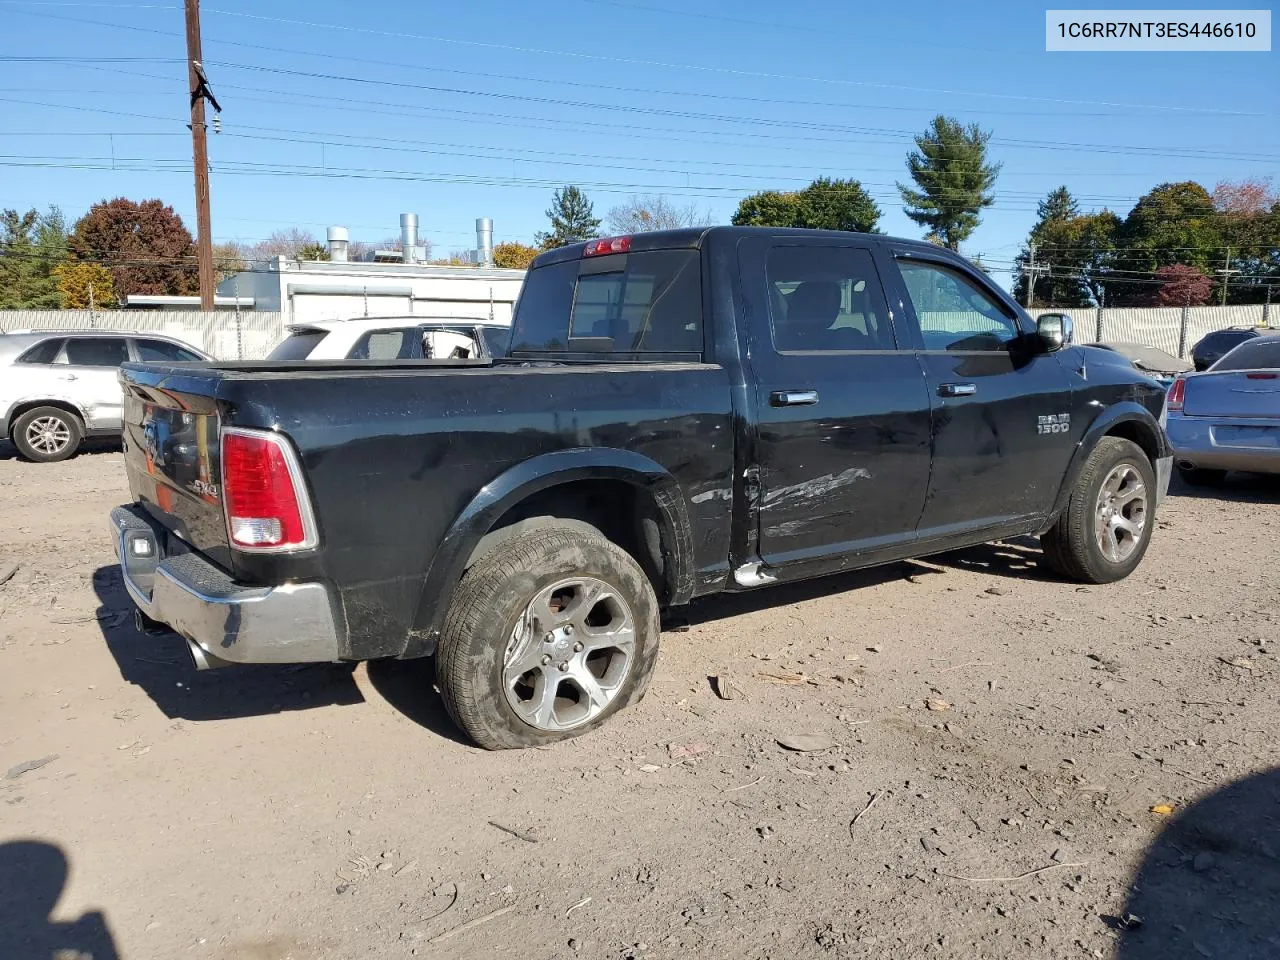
(1173, 399)
(262, 494)
(598, 248)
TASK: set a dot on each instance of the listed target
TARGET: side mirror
(1055, 330)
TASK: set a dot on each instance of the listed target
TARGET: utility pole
(1226, 275)
(200, 154)
(1031, 278)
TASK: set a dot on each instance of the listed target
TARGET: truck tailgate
(171, 453)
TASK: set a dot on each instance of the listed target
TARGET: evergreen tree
(572, 219)
(31, 246)
(953, 180)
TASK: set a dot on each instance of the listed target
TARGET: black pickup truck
(680, 413)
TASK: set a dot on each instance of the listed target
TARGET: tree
(514, 256)
(31, 245)
(1243, 197)
(1057, 280)
(654, 212)
(282, 243)
(228, 259)
(769, 208)
(145, 245)
(1180, 286)
(85, 286)
(1172, 223)
(572, 219)
(1058, 205)
(313, 251)
(825, 204)
(1249, 217)
(954, 179)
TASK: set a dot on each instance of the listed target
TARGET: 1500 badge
(1053, 423)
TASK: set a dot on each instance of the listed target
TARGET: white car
(394, 338)
(59, 386)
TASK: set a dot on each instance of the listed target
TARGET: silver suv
(58, 387)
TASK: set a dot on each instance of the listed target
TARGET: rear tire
(548, 636)
(1199, 477)
(1103, 534)
(47, 434)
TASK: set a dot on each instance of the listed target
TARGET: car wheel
(547, 636)
(1104, 531)
(47, 434)
(1199, 477)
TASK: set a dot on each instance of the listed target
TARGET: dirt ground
(997, 741)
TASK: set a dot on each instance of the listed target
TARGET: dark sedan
(1214, 346)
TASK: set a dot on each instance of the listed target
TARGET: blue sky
(347, 113)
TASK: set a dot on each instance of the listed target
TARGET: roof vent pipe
(408, 236)
(338, 244)
(484, 241)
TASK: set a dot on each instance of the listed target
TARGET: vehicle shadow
(32, 875)
(722, 606)
(1210, 883)
(90, 445)
(1236, 488)
(161, 666)
(1019, 557)
(410, 687)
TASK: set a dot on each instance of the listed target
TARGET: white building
(338, 289)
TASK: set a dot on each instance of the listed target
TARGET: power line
(728, 71)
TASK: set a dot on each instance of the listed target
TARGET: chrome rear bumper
(222, 621)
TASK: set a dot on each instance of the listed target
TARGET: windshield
(297, 346)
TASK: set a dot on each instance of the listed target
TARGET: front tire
(1103, 534)
(47, 434)
(547, 636)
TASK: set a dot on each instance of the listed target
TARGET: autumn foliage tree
(1181, 286)
(145, 245)
(514, 256)
(85, 286)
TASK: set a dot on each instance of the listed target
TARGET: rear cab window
(642, 306)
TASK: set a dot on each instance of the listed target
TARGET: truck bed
(394, 452)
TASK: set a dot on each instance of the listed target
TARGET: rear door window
(384, 345)
(96, 351)
(632, 305)
(826, 299)
(44, 352)
(297, 346)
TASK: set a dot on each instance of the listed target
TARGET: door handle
(793, 398)
(957, 389)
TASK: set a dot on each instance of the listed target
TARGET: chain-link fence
(225, 335)
(1174, 330)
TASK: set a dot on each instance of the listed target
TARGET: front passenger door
(1002, 407)
(88, 366)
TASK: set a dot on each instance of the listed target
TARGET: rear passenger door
(88, 367)
(843, 413)
(1002, 432)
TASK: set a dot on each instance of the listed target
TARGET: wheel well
(1138, 433)
(27, 405)
(626, 514)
